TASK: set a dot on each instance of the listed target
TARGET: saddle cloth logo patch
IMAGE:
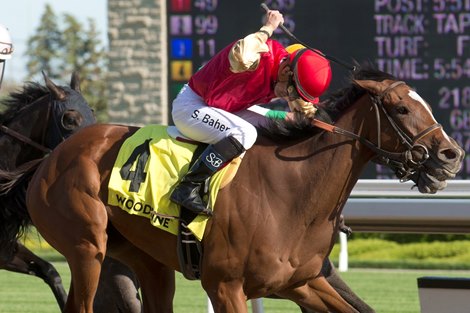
(147, 167)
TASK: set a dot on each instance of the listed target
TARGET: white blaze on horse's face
(414, 95)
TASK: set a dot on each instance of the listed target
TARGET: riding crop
(293, 37)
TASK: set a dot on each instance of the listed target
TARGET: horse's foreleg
(84, 247)
(25, 261)
(118, 290)
(343, 289)
(328, 270)
(157, 282)
(318, 295)
(85, 266)
(226, 297)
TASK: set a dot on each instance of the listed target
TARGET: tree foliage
(44, 46)
(61, 46)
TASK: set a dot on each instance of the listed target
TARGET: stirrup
(192, 202)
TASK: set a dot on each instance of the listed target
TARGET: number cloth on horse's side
(147, 167)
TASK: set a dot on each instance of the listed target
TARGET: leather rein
(29, 141)
(403, 163)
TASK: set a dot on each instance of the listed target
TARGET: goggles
(6, 50)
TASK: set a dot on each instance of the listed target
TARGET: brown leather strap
(24, 139)
(425, 132)
(323, 125)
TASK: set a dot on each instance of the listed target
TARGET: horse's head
(69, 111)
(38, 118)
(427, 155)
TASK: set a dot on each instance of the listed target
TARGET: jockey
(6, 49)
(218, 105)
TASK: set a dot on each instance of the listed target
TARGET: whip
(294, 38)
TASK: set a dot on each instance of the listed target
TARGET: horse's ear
(371, 86)
(57, 92)
(75, 81)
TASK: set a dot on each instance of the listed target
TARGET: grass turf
(387, 291)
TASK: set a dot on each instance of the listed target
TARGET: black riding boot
(210, 161)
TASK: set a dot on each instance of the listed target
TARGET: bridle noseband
(404, 164)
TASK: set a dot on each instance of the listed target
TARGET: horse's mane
(13, 183)
(329, 109)
(17, 100)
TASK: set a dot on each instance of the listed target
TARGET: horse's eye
(402, 110)
(71, 120)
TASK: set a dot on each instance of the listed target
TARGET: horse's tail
(14, 217)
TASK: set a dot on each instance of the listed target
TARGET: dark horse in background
(263, 238)
(34, 121)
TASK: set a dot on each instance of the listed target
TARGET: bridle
(404, 164)
(40, 146)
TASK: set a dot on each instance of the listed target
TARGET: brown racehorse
(273, 225)
(118, 288)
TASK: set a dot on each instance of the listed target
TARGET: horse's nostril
(450, 154)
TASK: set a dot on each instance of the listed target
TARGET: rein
(23, 138)
(403, 163)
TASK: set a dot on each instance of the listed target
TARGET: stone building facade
(137, 78)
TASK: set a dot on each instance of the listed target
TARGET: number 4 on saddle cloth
(148, 167)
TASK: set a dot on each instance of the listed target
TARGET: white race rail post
(210, 309)
(343, 252)
(257, 306)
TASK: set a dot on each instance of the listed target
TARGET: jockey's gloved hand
(297, 104)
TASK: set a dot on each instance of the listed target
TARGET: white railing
(391, 206)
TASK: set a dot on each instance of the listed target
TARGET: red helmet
(312, 73)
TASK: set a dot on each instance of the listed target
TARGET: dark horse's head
(70, 111)
(403, 133)
(34, 121)
(37, 118)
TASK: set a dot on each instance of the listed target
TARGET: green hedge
(409, 238)
(379, 253)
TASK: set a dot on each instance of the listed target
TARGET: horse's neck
(321, 171)
(15, 152)
(348, 157)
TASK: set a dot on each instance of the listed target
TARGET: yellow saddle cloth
(147, 167)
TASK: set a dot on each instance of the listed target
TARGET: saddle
(148, 166)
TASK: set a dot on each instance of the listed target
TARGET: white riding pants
(198, 121)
